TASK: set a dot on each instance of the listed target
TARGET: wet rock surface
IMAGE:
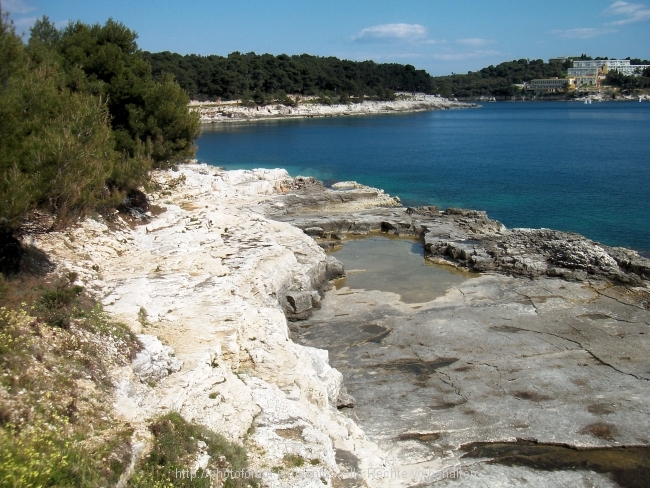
(469, 239)
(548, 345)
(496, 359)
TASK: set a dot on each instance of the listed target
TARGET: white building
(594, 67)
(550, 84)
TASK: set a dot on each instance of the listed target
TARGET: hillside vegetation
(498, 80)
(266, 78)
(82, 120)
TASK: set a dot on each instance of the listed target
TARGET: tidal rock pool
(395, 265)
(450, 374)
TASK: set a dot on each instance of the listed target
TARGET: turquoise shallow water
(567, 166)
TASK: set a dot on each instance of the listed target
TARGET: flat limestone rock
(549, 344)
(229, 112)
(210, 279)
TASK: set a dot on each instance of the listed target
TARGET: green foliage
(266, 78)
(59, 304)
(49, 454)
(497, 80)
(176, 445)
(73, 156)
(150, 117)
(293, 460)
(34, 456)
(44, 33)
(45, 412)
(638, 61)
(142, 316)
(166, 122)
(57, 149)
(629, 83)
(82, 121)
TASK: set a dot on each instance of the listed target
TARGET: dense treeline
(628, 83)
(267, 77)
(82, 120)
(498, 80)
(263, 78)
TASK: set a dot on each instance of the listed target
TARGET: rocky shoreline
(206, 279)
(548, 344)
(235, 112)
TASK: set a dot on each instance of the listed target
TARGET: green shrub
(44, 416)
(82, 121)
(174, 452)
(293, 460)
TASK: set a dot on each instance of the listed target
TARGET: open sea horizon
(559, 165)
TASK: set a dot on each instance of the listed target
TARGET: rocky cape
(228, 283)
(532, 371)
(235, 112)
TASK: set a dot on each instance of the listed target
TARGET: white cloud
(474, 42)
(633, 13)
(583, 33)
(405, 32)
(433, 41)
(17, 7)
(24, 23)
(477, 54)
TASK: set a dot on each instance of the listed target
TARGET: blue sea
(560, 165)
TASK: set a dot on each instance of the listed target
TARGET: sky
(441, 36)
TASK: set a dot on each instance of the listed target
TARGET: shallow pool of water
(395, 265)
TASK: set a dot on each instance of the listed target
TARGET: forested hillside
(261, 77)
(266, 78)
(498, 80)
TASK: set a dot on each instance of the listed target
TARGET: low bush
(56, 425)
(177, 444)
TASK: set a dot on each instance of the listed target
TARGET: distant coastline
(211, 112)
(605, 96)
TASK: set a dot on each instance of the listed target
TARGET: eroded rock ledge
(208, 279)
(469, 239)
(215, 269)
(546, 347)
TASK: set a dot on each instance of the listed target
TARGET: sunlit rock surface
(548, 345)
